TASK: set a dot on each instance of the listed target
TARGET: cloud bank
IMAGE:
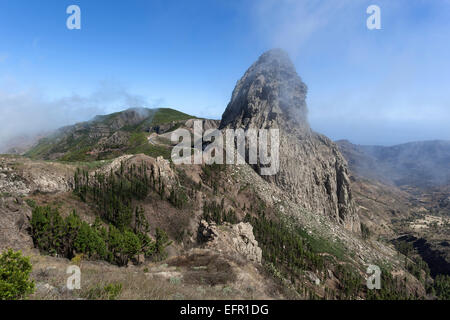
(29, 112)
(371, 87)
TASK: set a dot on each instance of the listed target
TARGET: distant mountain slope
(109, 136)
(21, 144)
(403, 193)
(419, 164)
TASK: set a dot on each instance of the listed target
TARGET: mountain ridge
(417, 163)
(108, 136)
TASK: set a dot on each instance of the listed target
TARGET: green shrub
(442, 287)
(109, 292)
(31, 203)
(14, 276)
(178, 198)
(214, 212)
(113, 290)
(47, 229)
(123, 245)
(162, 241)
(90, 242)
(365, 231)
(391, 288)
(351, 282)
(77, 259)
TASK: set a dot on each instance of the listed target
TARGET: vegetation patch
(214, 212)
(15, 272)
(76, 143)
(71, 236)
(127, 234)
(109, 291)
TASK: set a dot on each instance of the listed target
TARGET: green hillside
(109, 136)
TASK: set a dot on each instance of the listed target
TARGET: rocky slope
(225, 265)
(402, 195)
(271, 95)
(19, 178)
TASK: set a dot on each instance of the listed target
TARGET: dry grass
(205, 269)
(147, 282)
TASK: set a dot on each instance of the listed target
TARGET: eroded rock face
(206, 232)
(245, 242)
(20, 176)
(230, 239)
(269, 94)
(14, 224)
(312, 170)
(160, 168)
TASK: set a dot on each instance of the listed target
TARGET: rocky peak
(312, 170)
(269, 95)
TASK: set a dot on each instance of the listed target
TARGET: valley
(408, 210)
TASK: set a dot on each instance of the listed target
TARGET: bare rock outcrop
(235, 239)
(20, 176)
(312, 170)
(159, 167)
(14, 224)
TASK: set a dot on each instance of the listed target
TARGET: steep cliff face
(312, 170)
(269, 94)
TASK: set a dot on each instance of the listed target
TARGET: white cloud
(372, 86)
(29, 111)
(290, 24)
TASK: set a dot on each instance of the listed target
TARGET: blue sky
(383, 86)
